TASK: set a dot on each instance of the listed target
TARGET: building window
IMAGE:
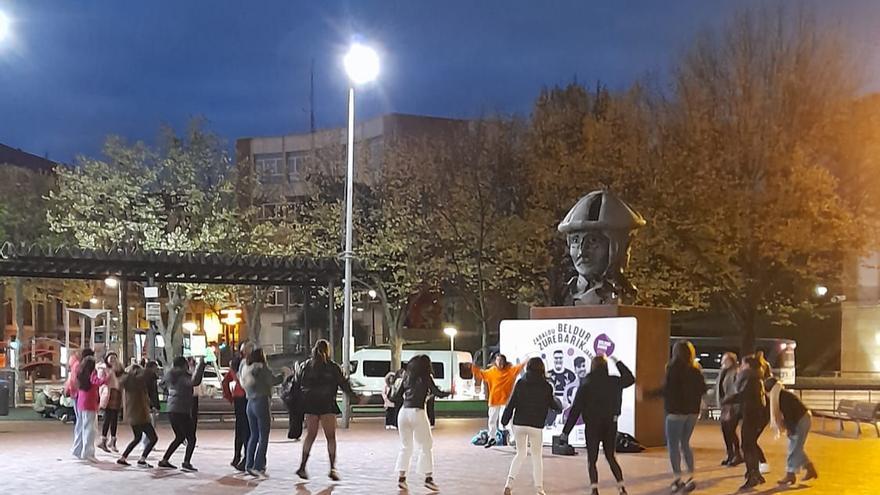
(270, 168)
(296, 165)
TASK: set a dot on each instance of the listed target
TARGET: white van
(369, 367)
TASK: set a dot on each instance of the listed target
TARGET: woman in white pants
(412, 421)
(529, 404)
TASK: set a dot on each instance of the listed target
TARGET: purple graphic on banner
(603, 345)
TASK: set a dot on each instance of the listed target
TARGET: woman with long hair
(135, 383)
(730, 416)
(413, 424)
(753, 403)
(388, 404)
(88, 383)
(682, 392)
(180, 383)
(111, 400)
(257, 380)
(529, 404)
(235, 394)
(597, 401)
(319, 379)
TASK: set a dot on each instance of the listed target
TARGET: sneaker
(750, 483)
(490, 443)
(508, 491)
(764, 468)
(253, 472)
(239, 467)
(621, 490)
(430, 485)
(789, 479)
(334, 475)
(144, 464)
(401, 483)
(189, 468)
(301, 472)
(736, 461)
(689, 486)
(122, 462)
(676, 486)
(103, 446)
(540, 491)
(167, 465)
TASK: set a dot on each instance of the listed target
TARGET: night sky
(75, 71)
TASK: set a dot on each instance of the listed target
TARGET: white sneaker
(764, 468)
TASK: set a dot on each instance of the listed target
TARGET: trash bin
(4, 398)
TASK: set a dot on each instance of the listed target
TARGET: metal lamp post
(362, 65)
(451, 332)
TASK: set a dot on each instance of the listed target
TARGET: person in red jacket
(88, 383)
(234, 393)
(500, 380)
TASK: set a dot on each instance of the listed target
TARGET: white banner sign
(567, 346)
(154, 311)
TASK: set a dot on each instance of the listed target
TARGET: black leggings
(295, 418)
(138, 431)
(602, 430)
(111, 422)
(195, 412)
(184, 429)
(751, 430)
(731, 439)
(242, 428)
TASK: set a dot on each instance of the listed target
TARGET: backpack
(481, 438)
(560, 446)
(626, 443)
(287, 389)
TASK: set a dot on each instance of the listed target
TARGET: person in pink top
(88, 400)
(73, 389)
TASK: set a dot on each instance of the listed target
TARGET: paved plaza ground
(36, 459)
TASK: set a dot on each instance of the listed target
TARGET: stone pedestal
(652, 354)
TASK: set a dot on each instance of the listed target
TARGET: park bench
(210, 407)
(854, 411)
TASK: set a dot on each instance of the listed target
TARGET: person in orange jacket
(500, 380)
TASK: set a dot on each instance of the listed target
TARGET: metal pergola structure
(135, 265)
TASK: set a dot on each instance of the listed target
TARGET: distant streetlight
(821, 291)
(93, 301)
(5, 26)
(451, 332)
(372, 294)
(362, 66)
(111, 282)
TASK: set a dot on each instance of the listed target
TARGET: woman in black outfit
(531, 400)
(598, 399)
(753, 404)
(412, 423)
(730, 415)
(682, 391)
(319, 379)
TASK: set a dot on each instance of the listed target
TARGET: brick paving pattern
(35, 459)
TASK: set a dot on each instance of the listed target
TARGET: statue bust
(599, 230)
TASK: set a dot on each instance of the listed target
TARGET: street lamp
(372, 293)
(362, 66)
(451, 332)
(821, 291)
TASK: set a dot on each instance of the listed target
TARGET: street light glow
(450, 331)
(93, 300)
(361, 63)
(372, 294)
(4, 25)
(111, 282)
(821, 290)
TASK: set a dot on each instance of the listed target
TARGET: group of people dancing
(746, 390)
